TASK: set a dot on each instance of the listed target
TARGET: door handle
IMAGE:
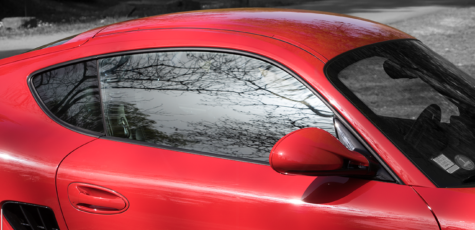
(96, 199)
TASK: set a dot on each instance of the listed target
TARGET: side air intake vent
(22, 216)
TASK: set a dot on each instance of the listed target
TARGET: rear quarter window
(71, 93)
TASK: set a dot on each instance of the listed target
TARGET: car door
(188, 135)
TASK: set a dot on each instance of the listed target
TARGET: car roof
(326, 33)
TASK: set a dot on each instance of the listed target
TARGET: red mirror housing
(313, 151)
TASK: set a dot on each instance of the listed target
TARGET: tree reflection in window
(206, 101)
(72, 94)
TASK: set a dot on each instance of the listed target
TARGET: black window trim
(203, 49)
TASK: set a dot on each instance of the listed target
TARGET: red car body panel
(31, 144)
(326, 33)
(175, 190)
(163, 187)
(452, 206)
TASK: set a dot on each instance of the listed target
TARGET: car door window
(211, 102)
(71, 93)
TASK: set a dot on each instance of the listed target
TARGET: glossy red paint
(176, 190)
(311, 149)
(171, 189)
(325, 33)
(32, 145)
(452, 206)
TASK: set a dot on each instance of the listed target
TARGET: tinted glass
(419, 100)
(206, 101)
(72, 94)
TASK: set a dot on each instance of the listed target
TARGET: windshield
(424, 104)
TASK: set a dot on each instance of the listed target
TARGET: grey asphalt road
(386, 11)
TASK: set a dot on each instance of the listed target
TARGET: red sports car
(237, 119)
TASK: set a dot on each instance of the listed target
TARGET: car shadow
(333, 189)
(9, 53)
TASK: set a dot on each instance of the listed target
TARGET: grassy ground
(52, 28)
(81, 15)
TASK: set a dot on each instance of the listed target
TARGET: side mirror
(315, 152)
